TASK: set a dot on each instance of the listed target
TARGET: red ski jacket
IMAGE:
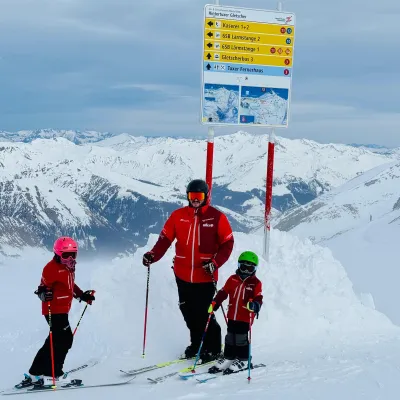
(240, 292)
(62, 281)
(201, 235)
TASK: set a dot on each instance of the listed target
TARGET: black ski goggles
(247, 267)
(68, 254)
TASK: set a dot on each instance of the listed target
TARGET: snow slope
(368, 249)
(315, 335)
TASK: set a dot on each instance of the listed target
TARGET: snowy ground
(318, 339)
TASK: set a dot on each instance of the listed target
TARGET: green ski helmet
(247, 263)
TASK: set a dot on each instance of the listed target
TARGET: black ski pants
(62, 342)
(237, 340)
(194, 300)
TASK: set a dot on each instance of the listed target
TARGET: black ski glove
(44, 293)
(148, 259)
(87, 297)
(210, 267)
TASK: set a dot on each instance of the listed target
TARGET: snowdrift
(308, 299)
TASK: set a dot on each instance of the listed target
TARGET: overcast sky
(135, 66)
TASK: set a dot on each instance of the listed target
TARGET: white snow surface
(368, 249)
(316, 337)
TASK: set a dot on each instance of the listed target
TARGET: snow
(366, 248)
(315, 335)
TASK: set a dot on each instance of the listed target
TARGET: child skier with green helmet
(245, 299)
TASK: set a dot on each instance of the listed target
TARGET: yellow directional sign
(248, 38)
(247, 66)
(273, 60)
(237, 26)
(248, 48)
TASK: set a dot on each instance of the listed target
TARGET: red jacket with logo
(62, 281)
(240, 292)
(201, 234)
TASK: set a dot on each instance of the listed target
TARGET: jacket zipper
(237, 300)
(193, 242)
(190, 229)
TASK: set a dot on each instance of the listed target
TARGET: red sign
(283, 30)
(287, 61)
(286, 72)
(273, 50)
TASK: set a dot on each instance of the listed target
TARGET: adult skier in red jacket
(245, 299)
(56, 290)
(204, 242)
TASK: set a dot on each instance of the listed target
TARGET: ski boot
(29, 380)
(46, 382)
(190, 352)
(207, 356)
(221, 365)
(236, 366)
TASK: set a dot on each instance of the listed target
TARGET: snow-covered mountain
(360, 222)
(113, 193)
(78, 137)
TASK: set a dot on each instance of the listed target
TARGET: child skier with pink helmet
(56, 290)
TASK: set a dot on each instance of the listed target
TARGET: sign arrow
(208, 55)
(209, 45)
(210, 34)
(210, 23)
(208, 66)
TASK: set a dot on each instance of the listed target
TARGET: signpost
(247, 68)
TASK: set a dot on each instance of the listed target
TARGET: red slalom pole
(145, 311)
(268, 193)
(51, 347)
(210, 161)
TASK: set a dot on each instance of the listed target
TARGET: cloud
(135, 66)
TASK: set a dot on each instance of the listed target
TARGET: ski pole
(145, 311)
(93, 292)
(216, 289)
(249, 362)
(51, 347)
(201, 343)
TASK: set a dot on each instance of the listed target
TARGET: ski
(162, 378)
(155, 366)
(190, 369)
(67, 387)
(212, 376)
(88, 364)
(203, 380)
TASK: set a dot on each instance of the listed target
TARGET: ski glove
(253, 306)
(209, 267)
(87, 297)
(44, 293)
(148, 259)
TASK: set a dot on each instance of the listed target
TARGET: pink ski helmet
(66, 248)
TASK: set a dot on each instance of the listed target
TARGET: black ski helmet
(198, 185)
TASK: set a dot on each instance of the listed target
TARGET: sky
(135, 66)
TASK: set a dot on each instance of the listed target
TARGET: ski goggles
(200, 196)
(247, 267)
(68, 254)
